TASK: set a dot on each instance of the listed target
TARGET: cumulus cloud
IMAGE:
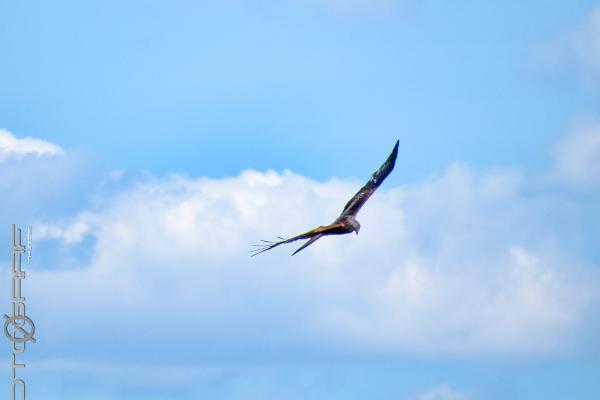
(444, 266)
(69, 233)
(19, 147)
(577, 156)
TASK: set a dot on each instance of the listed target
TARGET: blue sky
(151, 144)
(187, 82)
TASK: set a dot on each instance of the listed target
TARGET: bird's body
(346, 222)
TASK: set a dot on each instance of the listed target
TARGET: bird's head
(356, 226)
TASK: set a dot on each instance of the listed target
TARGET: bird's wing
(309, 242)
(360, 198)
(313, 235)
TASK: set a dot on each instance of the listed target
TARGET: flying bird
(346, 222)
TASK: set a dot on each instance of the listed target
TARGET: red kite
(346, 222)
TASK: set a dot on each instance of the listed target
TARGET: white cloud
(13, 146)
(576, 48)
(577, 156)
(445, 266)
(444, 392)
(69, 233)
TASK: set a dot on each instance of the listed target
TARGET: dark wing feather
(308, 242)
(360, 198)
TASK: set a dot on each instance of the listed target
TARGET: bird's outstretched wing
(360, 198)
(313, 235)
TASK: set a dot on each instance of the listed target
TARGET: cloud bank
(156, 271)
(461, 264)
(153, 277)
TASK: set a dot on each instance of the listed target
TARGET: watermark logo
(18, 333)
(18, 327)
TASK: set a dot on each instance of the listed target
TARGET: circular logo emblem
(19, 328)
